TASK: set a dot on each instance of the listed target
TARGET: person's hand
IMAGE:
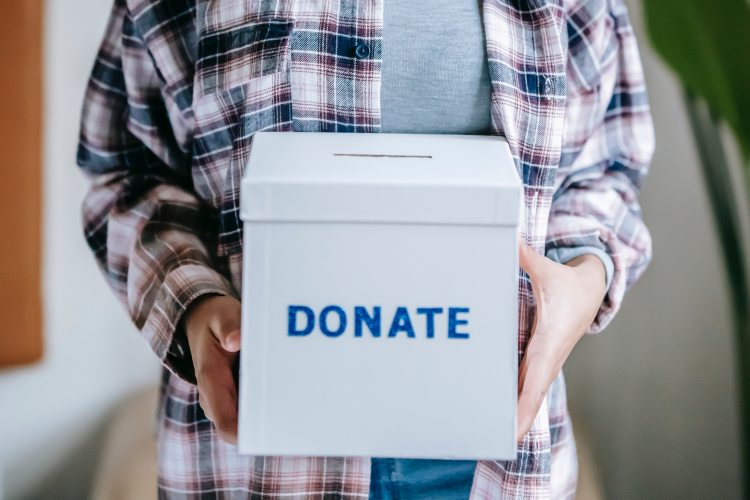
(567, 299)
(212, 325)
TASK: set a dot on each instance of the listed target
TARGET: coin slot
(366, 155)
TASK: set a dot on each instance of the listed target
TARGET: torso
(435, 76)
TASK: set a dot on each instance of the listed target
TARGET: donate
(333, 321)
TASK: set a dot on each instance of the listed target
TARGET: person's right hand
(212, 325)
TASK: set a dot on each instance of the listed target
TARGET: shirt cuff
(566, 254)
(164, 327)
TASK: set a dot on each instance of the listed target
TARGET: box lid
(391, 178)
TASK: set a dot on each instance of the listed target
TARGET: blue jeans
(400, 478)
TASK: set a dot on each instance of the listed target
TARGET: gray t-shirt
(435, 78)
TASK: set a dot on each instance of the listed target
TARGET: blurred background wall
(654, 393)
(657, 390)
(53, 412)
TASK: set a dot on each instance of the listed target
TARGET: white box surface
(418, 229)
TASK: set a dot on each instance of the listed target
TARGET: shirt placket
(336, 54)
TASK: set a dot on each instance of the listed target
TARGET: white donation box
(379, 297)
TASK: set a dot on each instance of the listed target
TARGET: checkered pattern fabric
(176, 93)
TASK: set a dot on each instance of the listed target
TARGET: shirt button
(362, 50)
(549, 86)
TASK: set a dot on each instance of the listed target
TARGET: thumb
(531, 261)
(226, 323)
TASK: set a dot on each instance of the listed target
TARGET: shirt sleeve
(150, 233)
(563, 255)
(608, 144)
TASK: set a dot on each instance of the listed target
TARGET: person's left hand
(568, 296)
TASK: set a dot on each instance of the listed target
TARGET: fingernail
(232, 342)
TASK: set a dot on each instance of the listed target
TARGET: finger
(536, 374)
(219, 406)
(231, 340)
(218, 396)
(204, 405)
(226, 324)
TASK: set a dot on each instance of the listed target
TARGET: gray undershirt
(435, 78)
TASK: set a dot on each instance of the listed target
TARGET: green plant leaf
(707, 43)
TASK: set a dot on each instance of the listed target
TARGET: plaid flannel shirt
(180, 86)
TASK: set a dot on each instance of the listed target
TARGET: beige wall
(52, 412)
(657, 390)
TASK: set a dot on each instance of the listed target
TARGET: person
(179, 88)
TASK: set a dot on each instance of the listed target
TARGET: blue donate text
(333, 321)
